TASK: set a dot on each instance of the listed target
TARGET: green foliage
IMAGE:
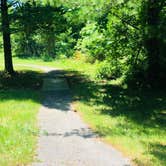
(46, 57)
(110, 69)
(153, 34)
(104, 70)
(91, 42)
(65, 44)
(37, 27)
(128, 34)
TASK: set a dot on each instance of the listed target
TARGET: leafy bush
(83, 57)
(91, 42)
(46, 57)
(109, 70)
(65, 44)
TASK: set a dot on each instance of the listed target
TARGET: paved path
(65, 140)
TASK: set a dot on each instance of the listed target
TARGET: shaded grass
(22, 79)
(19, 104)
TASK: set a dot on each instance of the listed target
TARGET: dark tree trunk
(152, 42)
(6, 37)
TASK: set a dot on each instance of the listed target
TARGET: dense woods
(127, 38)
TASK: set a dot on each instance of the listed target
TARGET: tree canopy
(127, 37)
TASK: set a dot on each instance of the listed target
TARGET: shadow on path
(82, 132)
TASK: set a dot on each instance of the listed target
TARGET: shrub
(91, 43)
(65, 44)
(46, 58)
(82, 57)
(109, 70)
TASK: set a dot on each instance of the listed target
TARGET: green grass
(18, 128)
(66, 64)
(19, 105)
(132, 120)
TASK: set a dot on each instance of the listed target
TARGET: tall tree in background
(153, 41)
(6, 37)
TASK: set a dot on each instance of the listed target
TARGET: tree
(38, 27)
(6, 37)
(152, 41)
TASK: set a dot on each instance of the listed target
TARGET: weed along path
(65, 140)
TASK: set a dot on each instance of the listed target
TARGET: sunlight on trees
(128, 35)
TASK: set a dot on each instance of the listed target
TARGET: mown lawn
(132, 120)
(19, 105)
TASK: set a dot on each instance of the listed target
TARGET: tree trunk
(152, 42)
(6, 37)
